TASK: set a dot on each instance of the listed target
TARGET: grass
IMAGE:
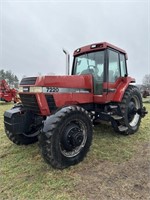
(24, 174)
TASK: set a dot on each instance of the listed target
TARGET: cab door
(116, 71)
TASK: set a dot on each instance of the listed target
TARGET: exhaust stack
(67, 61)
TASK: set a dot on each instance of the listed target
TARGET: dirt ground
(121, 181)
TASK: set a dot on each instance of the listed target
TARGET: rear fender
(122, 88)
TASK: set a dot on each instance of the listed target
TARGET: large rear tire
(66, 137)
(131, 102)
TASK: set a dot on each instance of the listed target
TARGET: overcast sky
(33, 33)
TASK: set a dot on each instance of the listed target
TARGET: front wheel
(19, 125)
(66, 137)
(20, 139)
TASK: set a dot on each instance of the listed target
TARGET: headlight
(35, 89)
(30, 89)
(20, 89)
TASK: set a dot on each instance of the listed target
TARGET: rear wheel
(131, 102)
(66, 137)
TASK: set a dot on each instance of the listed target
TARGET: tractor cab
(107, 65)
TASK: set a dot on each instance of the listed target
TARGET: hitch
(142, 111)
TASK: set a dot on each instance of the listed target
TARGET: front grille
(30, 102)
(28, 81)
(51, 102)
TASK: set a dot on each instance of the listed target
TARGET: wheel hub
(72, 137)
(131, 110)
(77, 138)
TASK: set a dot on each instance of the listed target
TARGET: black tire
(66, 137)
(131, 101)
(21, 139)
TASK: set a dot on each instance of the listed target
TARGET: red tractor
(7, 94)
(59, 111)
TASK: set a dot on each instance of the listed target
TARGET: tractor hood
(73, 83)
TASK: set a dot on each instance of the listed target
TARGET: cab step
(122, 128)
(113, 106)
(116, 117)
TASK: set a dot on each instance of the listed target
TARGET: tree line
(11, 79)
(146, 81)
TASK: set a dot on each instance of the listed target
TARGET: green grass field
(24, 174)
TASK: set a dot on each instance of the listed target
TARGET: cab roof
(97, 47)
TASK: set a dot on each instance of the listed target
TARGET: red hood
(74, 81)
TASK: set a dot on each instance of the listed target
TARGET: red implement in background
(6, 93)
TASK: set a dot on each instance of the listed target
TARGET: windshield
(89, 63)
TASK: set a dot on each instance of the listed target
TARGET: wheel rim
(133, 117)
(74, 138)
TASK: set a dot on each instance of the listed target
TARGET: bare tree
(146, 80)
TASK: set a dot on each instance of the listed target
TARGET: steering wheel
(92, 69)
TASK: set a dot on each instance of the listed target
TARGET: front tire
(20, 139)
(66, 137)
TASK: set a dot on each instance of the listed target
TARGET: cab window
(89, 63)
(123, 65)
(113, 66)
